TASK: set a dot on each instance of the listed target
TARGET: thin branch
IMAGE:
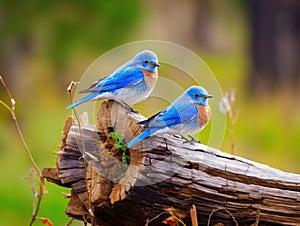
(12, 111)
(5, 105)
(35, 166)
(70, 90)
(70, 222)
(257, 217)
(225, 106)
(231, 132)
(152, 219)
(227, 211)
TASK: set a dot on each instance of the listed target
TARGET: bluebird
(188, 114)
(131, 83)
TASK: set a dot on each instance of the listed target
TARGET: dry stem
(227, 211)
(11, 109)
(70, 90)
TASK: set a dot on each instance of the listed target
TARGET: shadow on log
(165, 177)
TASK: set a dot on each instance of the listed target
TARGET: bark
(164, 178)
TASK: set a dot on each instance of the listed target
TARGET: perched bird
(188, 114)
(131, 83)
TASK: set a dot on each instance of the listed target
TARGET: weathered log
(165, 176)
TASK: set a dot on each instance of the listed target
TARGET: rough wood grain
(166, 176)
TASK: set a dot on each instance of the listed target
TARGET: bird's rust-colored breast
(150, 78)
(203, 114)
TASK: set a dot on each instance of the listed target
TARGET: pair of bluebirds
(134, 81)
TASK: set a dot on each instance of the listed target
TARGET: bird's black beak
(157, 64)
(209, 96)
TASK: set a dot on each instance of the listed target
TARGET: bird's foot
(194, 140)
(128, 107)
(191, 141)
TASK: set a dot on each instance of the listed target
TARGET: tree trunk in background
(275, 44)
(13, 60)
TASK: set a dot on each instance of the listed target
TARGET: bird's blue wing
(93, 86)
(124, 77)
(172, 115)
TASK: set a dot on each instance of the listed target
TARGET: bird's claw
(194, 140)
(128, 107)
(191, 141)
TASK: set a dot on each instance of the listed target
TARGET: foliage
(121, 145)
(57, 28)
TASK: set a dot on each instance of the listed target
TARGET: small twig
(84, 220)
(14, 117)
(70, 90)
(11, 109)
(227, 211)
(5, 105)
(225, 106)
(35, 193)
(231, 124)
(257, 217)
(152, 219)
(70, 222)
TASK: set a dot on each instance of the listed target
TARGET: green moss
(121, 145)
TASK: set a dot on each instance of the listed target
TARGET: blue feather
(124, 77)
(181, 117)
(127, 83)
(139, 138)
(173, 115)
(85, 99)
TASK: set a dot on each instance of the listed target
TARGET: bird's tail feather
(84, 99)
(139, 138)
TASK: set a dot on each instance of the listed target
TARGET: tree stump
(165, 179)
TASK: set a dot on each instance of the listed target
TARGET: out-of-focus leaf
(46, 221)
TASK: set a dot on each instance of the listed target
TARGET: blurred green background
(252, 46)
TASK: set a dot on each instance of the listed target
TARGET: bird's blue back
(186, 115)
(176, 113)
(128, 83)
(123, 77)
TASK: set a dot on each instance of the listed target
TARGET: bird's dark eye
(197, 95)
(146, 61)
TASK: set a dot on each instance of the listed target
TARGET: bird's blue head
(147, 60)
(198, 95)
